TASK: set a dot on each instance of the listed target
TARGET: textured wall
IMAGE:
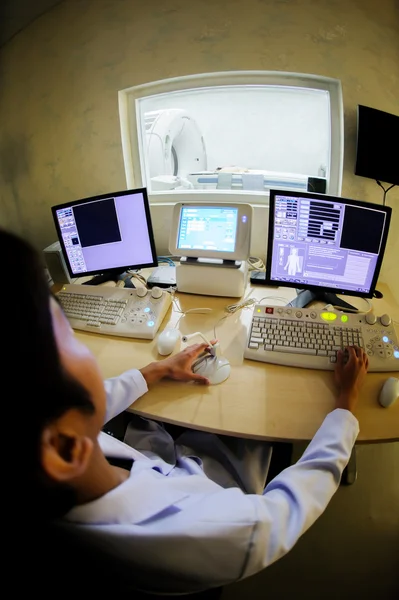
(59, 78)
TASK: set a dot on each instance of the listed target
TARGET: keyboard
(311, 338)
(126, 312)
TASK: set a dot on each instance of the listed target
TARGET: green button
(344, 318)
(328, 316)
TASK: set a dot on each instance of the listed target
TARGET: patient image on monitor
(294, 262)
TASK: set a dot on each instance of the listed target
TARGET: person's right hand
(349, 376)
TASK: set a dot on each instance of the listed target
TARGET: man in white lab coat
(193, 511)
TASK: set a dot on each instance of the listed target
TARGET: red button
(269, 310)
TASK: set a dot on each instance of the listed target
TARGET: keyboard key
(294, 350)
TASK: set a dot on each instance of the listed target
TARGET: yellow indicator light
(328, 316)
(344, 318)
(258, 310)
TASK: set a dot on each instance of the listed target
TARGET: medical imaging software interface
(210, 228)
(105, 233)
(325, 243)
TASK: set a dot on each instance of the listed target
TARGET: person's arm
(125, 389)
(295, 499)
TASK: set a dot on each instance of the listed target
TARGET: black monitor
(325, 245)
(106, 235)
(377, 145)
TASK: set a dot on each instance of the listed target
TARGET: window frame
(131, 126)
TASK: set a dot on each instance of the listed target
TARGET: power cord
(385, 190)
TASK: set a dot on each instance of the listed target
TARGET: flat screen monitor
(211, 230)
(325, 243)
(377, 145)
(110, 233)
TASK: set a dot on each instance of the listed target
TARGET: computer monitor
(325, 245)
(377, 150)
(211, 230)
(106, 235)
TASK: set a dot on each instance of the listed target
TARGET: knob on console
(371, 319)
(385, 320)
(156, 292)
(141, 292)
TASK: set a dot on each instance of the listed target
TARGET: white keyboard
(311, 338)
(123, 312)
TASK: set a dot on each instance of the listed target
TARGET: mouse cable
(199, 310)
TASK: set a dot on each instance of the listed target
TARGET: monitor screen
(377, 154)
(211, 230)
(111, 232)
(203, 228)
(317, 241)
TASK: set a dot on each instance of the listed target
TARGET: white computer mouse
(213, 368)
(389, 392)
(167, 340)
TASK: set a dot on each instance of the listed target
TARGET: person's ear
(65, 454)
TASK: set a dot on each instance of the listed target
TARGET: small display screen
(208, 228)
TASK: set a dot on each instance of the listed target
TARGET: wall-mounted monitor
(377, 155)
(211, 230)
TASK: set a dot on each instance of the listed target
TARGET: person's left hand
(180, 365)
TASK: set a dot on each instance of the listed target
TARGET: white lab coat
(190, 533)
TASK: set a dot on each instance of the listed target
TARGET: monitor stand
(112, 275)
(305, 297)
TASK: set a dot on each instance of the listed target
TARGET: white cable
(199, 310)
(255, 264)
(351, 310)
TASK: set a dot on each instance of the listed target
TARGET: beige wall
(59, 78)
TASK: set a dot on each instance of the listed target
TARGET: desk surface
(258, 400)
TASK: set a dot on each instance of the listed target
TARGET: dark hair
(40, 389)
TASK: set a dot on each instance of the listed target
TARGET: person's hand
(349, 376)
(178, 367)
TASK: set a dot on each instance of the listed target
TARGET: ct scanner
(175, 148)
(177, 160)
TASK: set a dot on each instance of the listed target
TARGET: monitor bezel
(243, 234)
(325, 197)
(119, 268)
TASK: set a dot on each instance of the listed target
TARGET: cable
(231, 309)
(140, 278)
(198, 310)
(351, 310)
(385, 190)
(166, 259)
(255, 264)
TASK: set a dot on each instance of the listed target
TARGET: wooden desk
(258, 400)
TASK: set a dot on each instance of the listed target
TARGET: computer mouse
(215, 369)
(167, 340)
(389, 392)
